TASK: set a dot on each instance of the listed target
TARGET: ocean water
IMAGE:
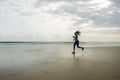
(87, 44)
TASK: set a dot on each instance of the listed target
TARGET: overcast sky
(57, 20)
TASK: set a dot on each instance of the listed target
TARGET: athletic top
(75, 38)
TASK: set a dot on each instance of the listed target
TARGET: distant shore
(60, 43)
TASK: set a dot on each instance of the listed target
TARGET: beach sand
(56, 62)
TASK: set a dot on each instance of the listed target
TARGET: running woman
(76, 41)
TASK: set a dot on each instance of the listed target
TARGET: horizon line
(52, 41)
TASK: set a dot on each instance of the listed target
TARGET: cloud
(22, 7)
(103, 13)
(116, 3)
(93, 16)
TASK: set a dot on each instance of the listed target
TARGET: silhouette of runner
(76, 41)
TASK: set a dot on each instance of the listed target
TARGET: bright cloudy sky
(56, 20)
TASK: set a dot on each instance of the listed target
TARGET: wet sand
(56, 62)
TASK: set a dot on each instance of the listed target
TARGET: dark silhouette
(76, 41)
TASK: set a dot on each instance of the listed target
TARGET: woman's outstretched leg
(79, 46)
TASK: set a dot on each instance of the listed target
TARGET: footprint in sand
(94, 66)
(44, 72)
(90, 73)
(116, 77)
(34, 64)
(107, 63)
(14, 75)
